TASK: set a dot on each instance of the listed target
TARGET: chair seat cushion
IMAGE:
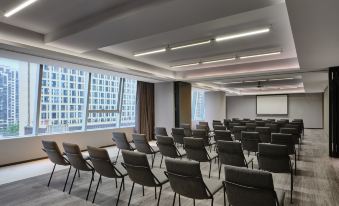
(160, 175)
(280, 196)
(213, 185)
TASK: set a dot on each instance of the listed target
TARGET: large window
(198, 104)
(127, 115)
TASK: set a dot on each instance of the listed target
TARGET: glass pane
(63, 95)
(128, 104)
(104, 99)
(18, 80)
(198, 104)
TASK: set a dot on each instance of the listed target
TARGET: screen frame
(288, 105)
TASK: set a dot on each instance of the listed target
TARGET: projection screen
(272, 105)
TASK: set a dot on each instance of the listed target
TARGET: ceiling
(107, 34)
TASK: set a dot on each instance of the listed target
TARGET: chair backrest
(237, 131)
(260, 123)
(249, 187)
(250, 127)
(219, 127)
(178, 134)
(185, 179)
(201, 133)
(295, 126)
(138, 168)
(222, 135)
(231, 153)
(235, 119)
(284, 139)
(204, 127)
(244, 122)
(160, 131)
(203, 123)
(141, 143)
(53, 152)
(187, 129)
(293, 131)
(271, 120)
(227, 122)
(120, 140)
(102, 163)
(167, 147)
(195, 149)
(246, 119)
(216, 122)
(274, 158)
(231, 125)
(273, 127)
(75, 157)
(250, 141)
(264, 133)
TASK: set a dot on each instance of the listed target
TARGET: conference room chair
(106, 168)
(232, 125)
(121, 142)
(281, 124)
(285, 120)
(251, 187)
(231, 153)
(264, 134)
(55, 156)
(178, 135)
(222, 135)
(271, 120)
(216, 122)
(187, 129)
(288, 141)
(244, 122)
(160, 131)
(295, 134)
(273, 127)
(203, 123)
(77, 160)
(201, 133)
(237, 132)
(260, 123)
(296, 126)
(219, 127)
(142, 146)
(186, 180)
(246, 119)
(227, 122)
(202, 127)
(300, 124)
(235, 119)
(195, 150)
(275, 158)
(250, 141)
(139, 172)
(257, 119)
(250, 127)
(168, 149)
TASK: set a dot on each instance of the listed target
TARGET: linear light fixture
(19, 8)
(150, 52)
(243, 34)
(260, 55)
(281, 79)
(190, 45)
(185, 65)
(218, 60)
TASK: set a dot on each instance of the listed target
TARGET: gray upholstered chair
(142, 146)
(251, 187)
(54, 155)
(273, 127)
(235, 119)
(294, 130)
(77, 160)
(271, 120)
(105, 168)
(227, 123)
(264, 133)
(260, 123)
(222, 135)
(250, 141)
(237, 132)
(186, 180)
(219, 127)
(121, 142)
(202, 127)
(139, 172)
(216, 122)
(231, 153)
(160, 131)
(275, 158)
(168, 149)
(258, 119)
(300, 124)
(250, 127)
(288, 141)
(244, 122)
(203, 123)
(231, 125)
(195, 149)
(246, 119)
(201, 133)
(178, 135)
(187, 129)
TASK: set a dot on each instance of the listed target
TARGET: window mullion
(38, 102)
(86, 104)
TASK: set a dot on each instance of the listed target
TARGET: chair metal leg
(179, 201)
(295, 164)
(143, 191)
(155, 192)
(116, 160)
(130, 196)
(291, 186)
(69, 170)
(70, 189)
(162, 156)
(96, 190)
(219, 170)
(50, 178)
(90, 184)
(116, 183)
(224, 188)
(209, 174)
(175, 194)
(153, 158)
(159, 195)
(212, 201)
(119, 192)
(123, 186)
(78, 173)
(193, 202)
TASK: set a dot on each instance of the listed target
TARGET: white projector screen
(272, 105)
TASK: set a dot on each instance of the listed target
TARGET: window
(127, 115)
(198, 104)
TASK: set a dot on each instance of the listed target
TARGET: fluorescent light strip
(259, 55)
(19, 8)
(191, 45)
(218, 60)
(150, 52)
(243, 34)
(281, 79)
(185, 65)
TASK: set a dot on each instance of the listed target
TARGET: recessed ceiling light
(185, 65)
(251, 81)
(219, 83)
(242, 34)
(260, 55)
(19, 8)
(281, 79)
(234, 82)
(150, 52)
(218, 60)
(190, 45)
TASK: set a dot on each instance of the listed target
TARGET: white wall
(308, 107)
(326, 112)
(164, 105)
(215, 106)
